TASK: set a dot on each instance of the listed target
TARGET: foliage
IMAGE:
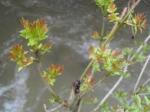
(35, 33)
(103, 59)
(95, 35)
(111, 60)
(18, 55)
(104, 4)
(113, 15)
(52, 72)
(137, 22)
(89, 81)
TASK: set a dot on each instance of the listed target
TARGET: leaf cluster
(52, 72)
(19, 55)
(104, 4)
(35, 33)
(112, 61)
(138, 22)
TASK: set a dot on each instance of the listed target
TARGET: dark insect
(76, 86)
(132, 37)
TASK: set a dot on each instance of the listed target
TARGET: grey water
(71, 23)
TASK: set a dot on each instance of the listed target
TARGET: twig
(103, 27)
(141, 73)
(53, 109)
(115, 28)
(146, 82)
(45, 108)
(80, 106)
(86, 69)
(144, 94)
(140, 48)
(74, 106)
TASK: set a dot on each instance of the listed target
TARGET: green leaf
(137, 100)
(147, 100)
(34, 32)
(96, 67)
(103, 4)
(140, 57)
(52, 72)
(19, 55)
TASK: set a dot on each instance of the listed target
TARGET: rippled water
(71, 23)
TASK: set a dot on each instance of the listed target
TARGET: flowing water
(71, 23)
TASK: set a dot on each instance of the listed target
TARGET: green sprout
(52, 72)
(18, 55)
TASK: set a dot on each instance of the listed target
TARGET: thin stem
(86, 69)
(53, 109)
(146, 82)
(115, 28)
(144, 94)
(103, 27)
(45, 108)
(141, 73)
(80, 106)
(111, 34)
(140, 48)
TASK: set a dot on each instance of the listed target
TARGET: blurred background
(71, 23)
